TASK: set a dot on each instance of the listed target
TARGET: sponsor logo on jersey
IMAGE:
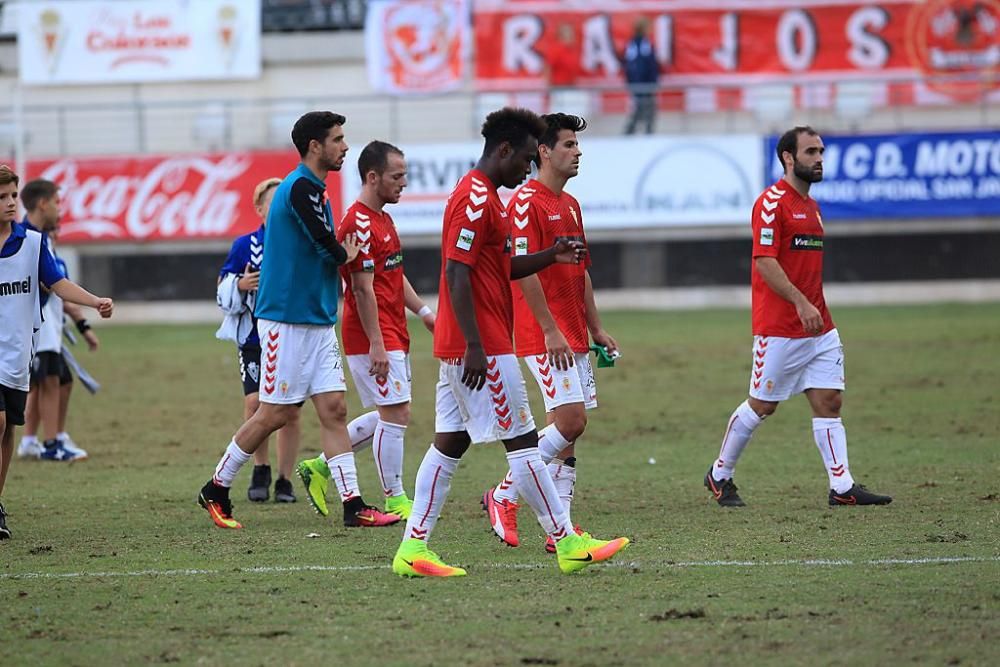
(521, 245)
(16, 287)
(465, 238)
(555, 217)
(807, 242)
(394, 261)
(767, 236)
(799, 216)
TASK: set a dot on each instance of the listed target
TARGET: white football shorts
(390, 390)
(783, 367)
(298, 361)
(574, 385)
(498, 411)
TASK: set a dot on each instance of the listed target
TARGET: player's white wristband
(425, 311)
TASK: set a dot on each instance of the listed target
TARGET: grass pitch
(113, 563)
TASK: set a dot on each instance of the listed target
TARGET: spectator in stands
(562, 58)
(562, 71)
(642, 72)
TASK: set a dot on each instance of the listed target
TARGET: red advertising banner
(164, 197)
(737, 42)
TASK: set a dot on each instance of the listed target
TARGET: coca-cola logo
(176, 198)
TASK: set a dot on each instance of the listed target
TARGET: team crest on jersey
(566, 384)
(521, 245)
(769, 385)
(522, 415)
(572, 211)
(398, 386)
(507, 246)
(284, 388)
(253, 370)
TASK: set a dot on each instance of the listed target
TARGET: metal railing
(138, 126)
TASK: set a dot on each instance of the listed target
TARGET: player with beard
(296, 311)
(481, 396)
(373, 327)
(554, 316)
(796, 347)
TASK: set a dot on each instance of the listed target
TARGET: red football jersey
(382, 256)
(476, 233)
(788, 227)
(538, 218)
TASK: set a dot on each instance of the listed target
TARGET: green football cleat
(576, 552)
(316, 476)
(399, 505)
(414, 559)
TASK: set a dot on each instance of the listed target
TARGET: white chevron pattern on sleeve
(256, 251)
(473, 214)
(770, 202)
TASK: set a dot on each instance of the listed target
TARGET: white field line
(280, 569)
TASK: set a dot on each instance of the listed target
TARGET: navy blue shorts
(250, 369)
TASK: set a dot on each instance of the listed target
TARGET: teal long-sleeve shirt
(299, 281)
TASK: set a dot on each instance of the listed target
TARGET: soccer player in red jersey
(481, 396)
(796, 347)
(554, 317)
(373, 327)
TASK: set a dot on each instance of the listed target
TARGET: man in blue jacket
(296, 311)
(642, 72)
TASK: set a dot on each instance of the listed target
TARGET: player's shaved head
(513, 126)
(375, 157)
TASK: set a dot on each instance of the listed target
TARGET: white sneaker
(29, 449)
(78, 452)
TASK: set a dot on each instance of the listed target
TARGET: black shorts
(250, 369)
(47, 364)
(12, 402)
(66, 376)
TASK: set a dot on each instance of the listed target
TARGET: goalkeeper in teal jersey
(296, 311)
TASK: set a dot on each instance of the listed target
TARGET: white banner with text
(137, 41)
(624, 182)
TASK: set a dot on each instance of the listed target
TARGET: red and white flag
(417, 46)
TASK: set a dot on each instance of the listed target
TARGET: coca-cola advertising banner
(136, 41)
(164, 198)
(734, 42)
